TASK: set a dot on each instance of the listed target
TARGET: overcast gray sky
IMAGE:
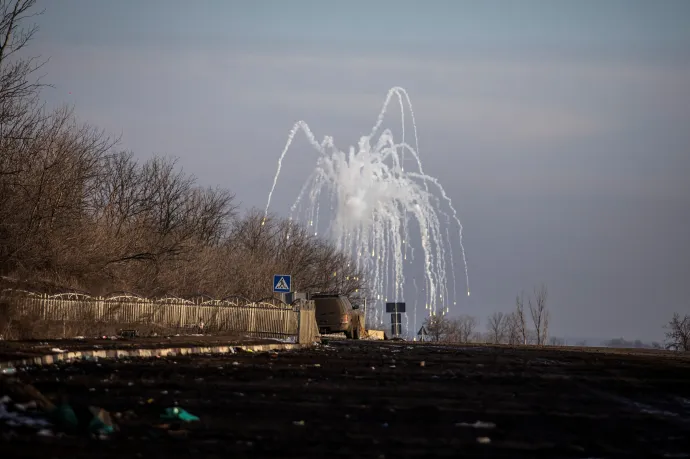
(559, 129)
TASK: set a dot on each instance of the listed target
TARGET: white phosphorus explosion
(374, 200)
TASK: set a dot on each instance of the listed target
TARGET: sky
(560, 129)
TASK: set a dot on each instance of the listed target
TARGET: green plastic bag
(65, 417)
(178, 414)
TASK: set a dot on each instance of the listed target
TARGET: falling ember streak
(373, 197)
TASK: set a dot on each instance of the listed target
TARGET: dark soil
(376, 399)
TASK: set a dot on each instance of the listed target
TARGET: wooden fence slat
(259, 319)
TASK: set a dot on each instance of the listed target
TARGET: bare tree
(540, 314)
(460, 329)
(477, 337)
(43, 203)
(437, 326)
(678, 334)
(497, 327)
(19, 87)
(513, 335)
(553, 341)
(520, 318)
(19, 112)
(452, 332)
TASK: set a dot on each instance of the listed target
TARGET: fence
(264, 318)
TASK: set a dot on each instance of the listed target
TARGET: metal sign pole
(282, 285)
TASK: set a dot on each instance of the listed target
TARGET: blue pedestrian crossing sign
(282, 283)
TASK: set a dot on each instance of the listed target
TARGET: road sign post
(282, 283)
(396, 310)
(422, 333)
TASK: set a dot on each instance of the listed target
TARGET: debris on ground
(178, 414)
(101, 424)
(65, 417)
(128, 333)
(26, 407)
(14, 415)
(477, 425)
(410, 412)
(25, 393)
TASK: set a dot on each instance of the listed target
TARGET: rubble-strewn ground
(377, 399)
(13, 350)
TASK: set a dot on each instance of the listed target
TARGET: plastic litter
(17, 419)
(64, 416)
(101, 424)
(177, 413)
(26, 406)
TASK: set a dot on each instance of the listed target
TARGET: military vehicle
(337, 314)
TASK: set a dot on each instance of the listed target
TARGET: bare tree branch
(678, 334)
(540, 314)
(497, 327)
(520, 319)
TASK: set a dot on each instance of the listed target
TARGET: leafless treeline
(77, 212)
(531, 326)
(518, 327)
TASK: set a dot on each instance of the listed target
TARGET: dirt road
(378, 400)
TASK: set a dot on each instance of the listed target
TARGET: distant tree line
(521, 326)
(531, 325)
(76, 212)
(636, 344)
